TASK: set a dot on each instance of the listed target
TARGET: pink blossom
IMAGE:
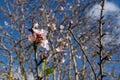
(31, 38)
(35, 37)
(39, 36)
(71, 22)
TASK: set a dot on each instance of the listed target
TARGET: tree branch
(79, 43)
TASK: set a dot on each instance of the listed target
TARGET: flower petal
(36, 30)
(31, 38)
(35, 25)
(45, 45)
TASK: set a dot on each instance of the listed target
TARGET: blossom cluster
(39, 36)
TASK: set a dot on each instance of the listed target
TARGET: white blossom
(6, 23)
(44, 44)
(71, 7)
(35, 25)
(41, 9)
(61, 27)
(52, 26)
(59, 49)
(77, 56)
(61, 8)
(43, 33)
(63, 60)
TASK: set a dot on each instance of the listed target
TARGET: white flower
(59, 49)
(35, 25)
(61, 27)
(61, 8)
(45, 45)
(43, 33)
(36, 30)
(41, 9)
(63, 60)
(49, 24)
(71, 22)
(6, 23)
(71, 7)
(67, 44)
(79, 57)
(52, 26)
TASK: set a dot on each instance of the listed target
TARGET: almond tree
(57, 40)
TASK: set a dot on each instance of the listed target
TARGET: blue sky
(115, 2)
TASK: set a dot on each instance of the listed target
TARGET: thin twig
(100, 39)
(79, 43)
